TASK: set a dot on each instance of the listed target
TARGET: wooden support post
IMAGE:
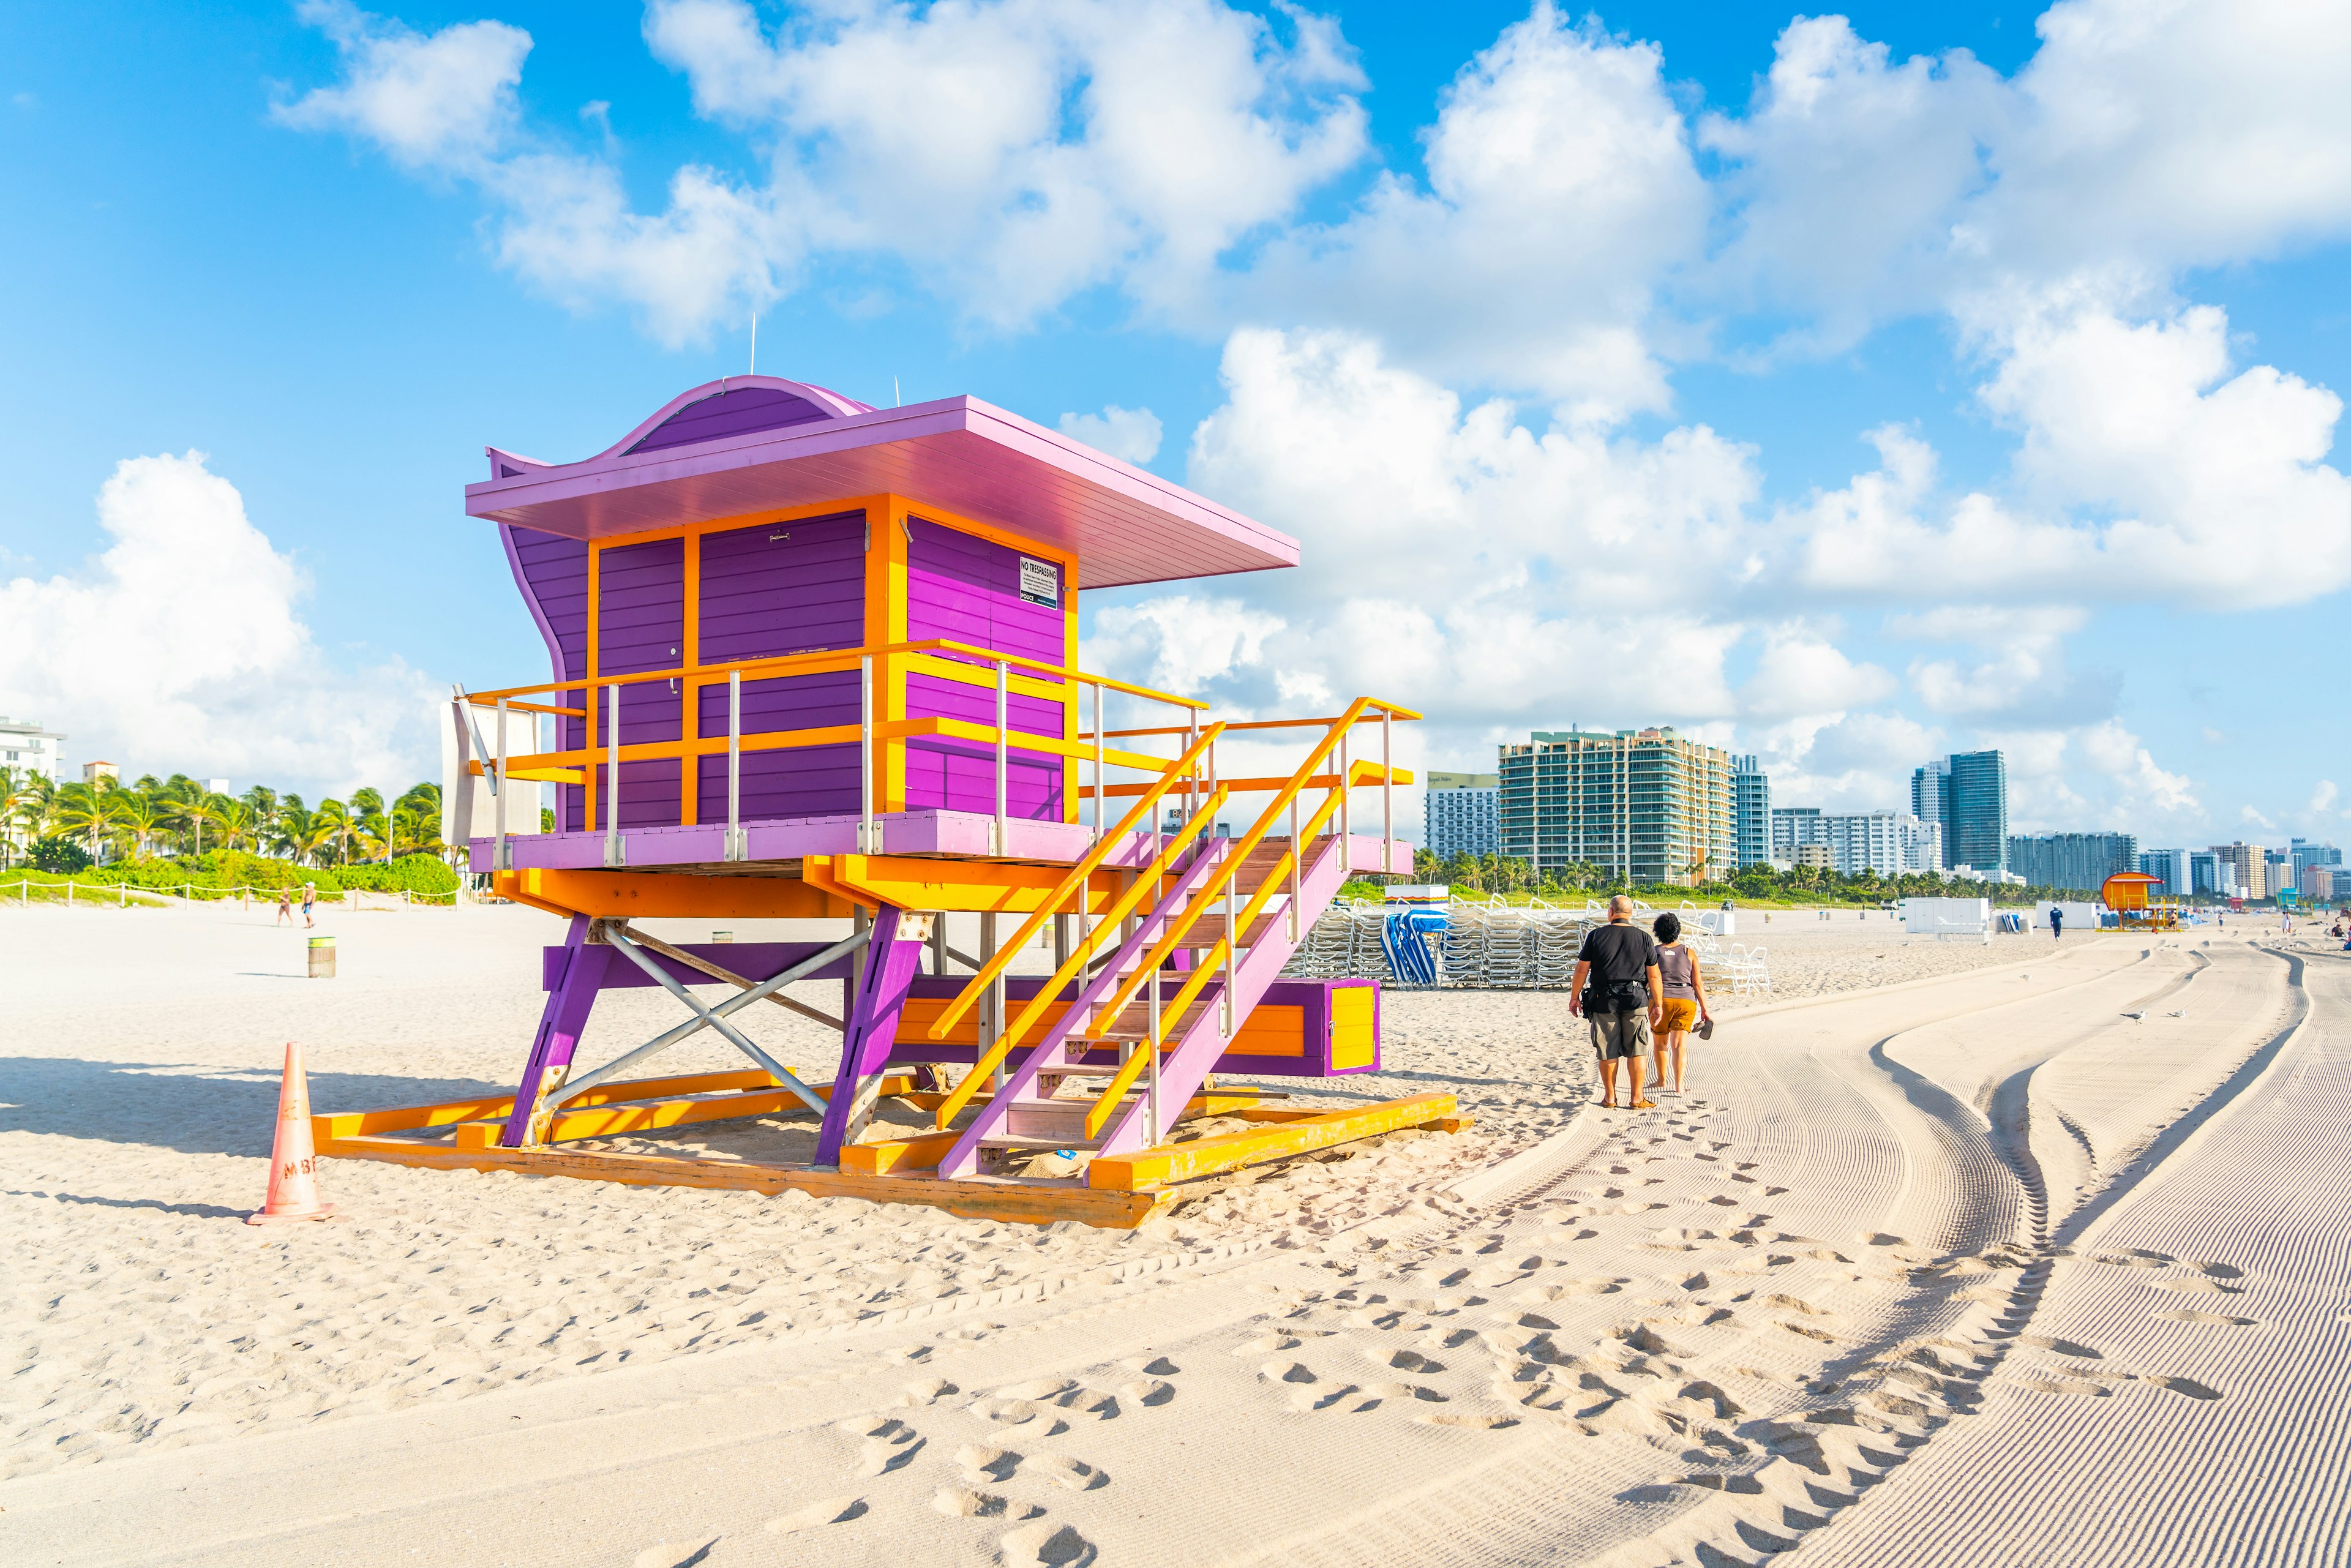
(891, 958)
(560, 1024)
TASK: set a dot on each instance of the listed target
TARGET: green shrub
(60, 856)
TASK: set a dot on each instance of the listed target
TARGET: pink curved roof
(748, 444)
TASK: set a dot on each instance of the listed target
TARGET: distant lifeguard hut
(2139, 901)
(814, 659)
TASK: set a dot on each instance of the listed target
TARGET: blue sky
(1848, 390)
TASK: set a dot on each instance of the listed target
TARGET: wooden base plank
(1033, 1205)
(923, 1152)
(1293, 1135)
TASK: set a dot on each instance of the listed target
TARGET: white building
(1461, 813)
(1892, 843)
(25, 744)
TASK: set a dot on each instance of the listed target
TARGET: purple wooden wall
(641, 625)
(731, 413)
(784, 587)
(969, 589)
(789, 587)
(554, 573)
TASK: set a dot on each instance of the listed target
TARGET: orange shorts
(1681, 1013)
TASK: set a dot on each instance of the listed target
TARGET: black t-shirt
(1620, 956)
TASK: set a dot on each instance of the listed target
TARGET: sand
(1941, 1247)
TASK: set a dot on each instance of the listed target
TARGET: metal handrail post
(735, 765)
(1388, 794)
(1232, 946)
(1150, 1067)
(865, 844)
(1101, 826)
(1192, 780)
(613, 852)
(1297, 860)
(1346, 821)
(1003, 755)
(501, 856)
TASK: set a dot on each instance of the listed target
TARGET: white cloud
(2141, 138)
(1801, 673)
(2323, 797)
(181, 649)
(1130, 434)
(2213, 484)
(1560, 188)
(443, 100)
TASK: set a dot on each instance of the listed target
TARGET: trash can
(322, 957)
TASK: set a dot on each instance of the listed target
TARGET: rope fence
(194, 894)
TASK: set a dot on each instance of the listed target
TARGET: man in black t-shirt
(1624, 1001)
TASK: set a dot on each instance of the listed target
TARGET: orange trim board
(1171, 1163)
(971, 1199)
(646, 895)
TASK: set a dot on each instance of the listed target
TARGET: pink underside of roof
(959, 455)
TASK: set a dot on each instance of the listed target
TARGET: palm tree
(336, 820)
(139, 813)
(300, 834)
(81, 808)
(234, 821)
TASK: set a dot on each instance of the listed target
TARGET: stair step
(1042, 1146)
(1209, 929)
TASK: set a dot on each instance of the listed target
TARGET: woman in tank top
(1685, 997)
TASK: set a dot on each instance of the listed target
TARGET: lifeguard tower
(817, 660)
(2140, 903)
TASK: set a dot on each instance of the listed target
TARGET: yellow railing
(1304, 778)
(1148, 881)
(943, 658)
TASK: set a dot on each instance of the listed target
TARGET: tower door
(641, 626)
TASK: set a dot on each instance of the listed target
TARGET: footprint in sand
(1076, 1475)
(2190, 1316)
(2077, 1385)
(2073, 1348)
(829, 1511)
(891, 1443)
(1796, 1305)
(1151, 1392)
(982, 1463)
(2217, 1270)
(1265, 1343)
(1156, 1365)
(1046, 1545)
(674, 1554)
(966, 1502)
(2199, 1285)
(928, 1390)
(1286, 1372)
(2188, 1386)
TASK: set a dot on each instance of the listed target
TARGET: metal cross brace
(615, 935)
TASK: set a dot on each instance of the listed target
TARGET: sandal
(1644, 1104)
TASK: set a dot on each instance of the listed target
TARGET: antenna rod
(895, 401)
(755, 342)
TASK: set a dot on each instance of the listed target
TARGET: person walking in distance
(1684, 1005)
(285, 906)
(310, 903)
(1623, 1002)
(2056, 922)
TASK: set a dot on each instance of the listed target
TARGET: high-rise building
(1893, 843)
(2304, 854)
(2318, 883)
(24, 745)
(1750, 811)
(2172, 867)
(1930, 798)
(2251, 863)
(1975, 825)
(1461, 814)
(1644, 805)
(2078, 862)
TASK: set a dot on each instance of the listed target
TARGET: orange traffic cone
(293, 1162)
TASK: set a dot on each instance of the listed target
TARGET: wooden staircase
(1112, 1072)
